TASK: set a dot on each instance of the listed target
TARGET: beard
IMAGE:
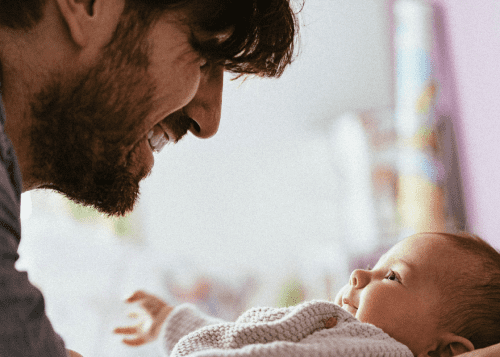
(84, 130)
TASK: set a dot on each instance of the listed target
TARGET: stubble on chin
(82, 134)
(84, 129)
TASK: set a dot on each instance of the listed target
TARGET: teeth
(157, 141)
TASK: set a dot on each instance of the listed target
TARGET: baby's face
(401, 293)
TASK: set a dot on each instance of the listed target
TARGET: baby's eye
(392, 276)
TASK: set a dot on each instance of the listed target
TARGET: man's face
(94, 132)
(401, 293)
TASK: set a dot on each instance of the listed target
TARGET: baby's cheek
(397, 318)
(380, 307)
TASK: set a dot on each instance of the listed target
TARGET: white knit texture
(297, 331)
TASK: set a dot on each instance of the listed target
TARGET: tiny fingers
(126, 330)
(131, 331)
(136, 315)
(134, 342)
(153, 306)
(136, 296)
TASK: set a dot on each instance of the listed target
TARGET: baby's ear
(457, 348)
(451, 345)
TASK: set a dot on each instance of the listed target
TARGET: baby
(432, 294)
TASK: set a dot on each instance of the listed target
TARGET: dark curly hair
(261, 33)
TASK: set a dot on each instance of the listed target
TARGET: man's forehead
(194, 22)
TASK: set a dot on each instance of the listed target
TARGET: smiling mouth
(170, 129)
(157, 139)
(347, 306)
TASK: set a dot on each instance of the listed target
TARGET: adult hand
(492, 351)
(156, 308)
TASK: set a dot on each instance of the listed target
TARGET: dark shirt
(25, 329)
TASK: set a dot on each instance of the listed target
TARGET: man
(91, 88)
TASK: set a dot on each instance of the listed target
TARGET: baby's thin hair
(471, 299)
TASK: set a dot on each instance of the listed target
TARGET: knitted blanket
(304, 330)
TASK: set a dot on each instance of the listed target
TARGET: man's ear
(90, 20)
(451, 345)
(76, 13)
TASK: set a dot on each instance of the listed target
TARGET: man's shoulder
(10, 187)
(25, 329)
(10, 176)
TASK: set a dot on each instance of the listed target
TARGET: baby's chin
(350, 309)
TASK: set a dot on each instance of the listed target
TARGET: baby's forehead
(425, 253)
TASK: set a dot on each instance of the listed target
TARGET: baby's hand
(331, 322)
(156, 308)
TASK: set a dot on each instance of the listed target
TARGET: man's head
(109, 81)
(417, 286)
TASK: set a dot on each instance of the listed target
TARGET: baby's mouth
(347, 306)
(350, 309)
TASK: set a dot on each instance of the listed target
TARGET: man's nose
(205, 108)
(359, 278)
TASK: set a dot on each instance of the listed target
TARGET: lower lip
(350, 309)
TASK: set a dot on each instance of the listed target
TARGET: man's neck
(16, 126)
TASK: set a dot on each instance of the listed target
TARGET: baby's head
(437, 293)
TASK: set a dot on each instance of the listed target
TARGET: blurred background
(385, 125)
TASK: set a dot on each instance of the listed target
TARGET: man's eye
(392, 276)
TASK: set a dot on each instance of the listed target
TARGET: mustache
(178, 124)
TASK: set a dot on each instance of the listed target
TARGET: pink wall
(471, 31)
